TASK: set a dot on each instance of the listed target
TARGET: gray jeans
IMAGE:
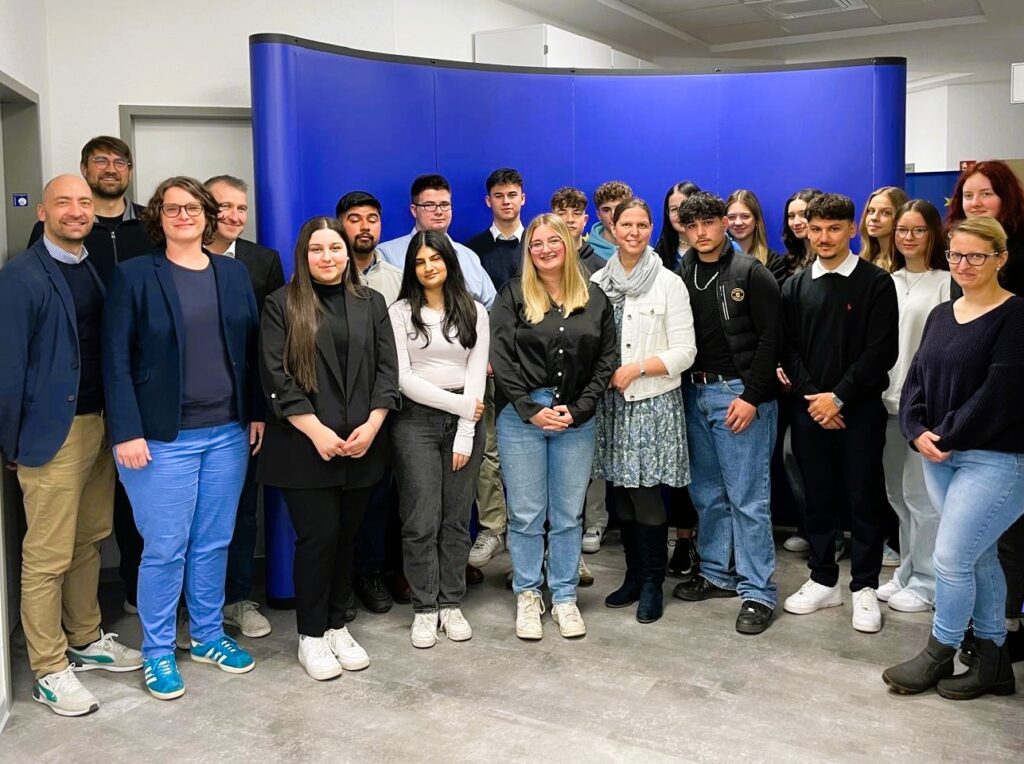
(434, 502)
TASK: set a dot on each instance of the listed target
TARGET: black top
(208, 389)
(332, 297)
(965, 382)
(576, 355)
(109, 223)
(841, 332)
(264, 266)
(592, 261)
(85, 291)
(713, 354)
(501, 258)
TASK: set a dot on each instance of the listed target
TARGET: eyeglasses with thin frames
(103, 163)
(432, 206)
(977, 259)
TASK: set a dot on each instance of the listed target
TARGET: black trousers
(129, 543)
(679, 506)
(326, 521)
(242, 551)
(843, 467)
(1011, 556)
(641, 505)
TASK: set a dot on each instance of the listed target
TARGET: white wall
(926, 129)
(23, 53)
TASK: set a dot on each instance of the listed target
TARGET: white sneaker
(182, 633)
(64, 694)
(424, 630)
(906, 601)
(487, 545)
(796, 544)
(350, 654)
(245, 616)
(812, 596)
(529, 607)
(570, 622)
(106, 653)
(455, 625)
(886, 590)
(586, 577)
(866, 615)
(592, 538)
(129, 608)
(890, 557)
(317, 658)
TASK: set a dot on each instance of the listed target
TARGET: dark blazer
(264, 266)
(143, 344)
(343, 401)
(39, 364)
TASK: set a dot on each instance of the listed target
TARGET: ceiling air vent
(787, 10)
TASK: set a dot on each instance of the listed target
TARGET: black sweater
(842, 332)
(89, 317)
(501, 258)
(965, 382)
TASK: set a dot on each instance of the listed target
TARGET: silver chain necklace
(697, 286)
(906, 276)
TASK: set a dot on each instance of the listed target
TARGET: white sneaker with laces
(866, 615)
(906, 601)
(64, 694)
(350, 654)
(812, 596)
(890, 557)
(487, 545)
(317, 658)
(455, 625)
(570, 622)
(796, 544)
(424, 629)
(106, 653)
(245, 616)
(592, 538)
(888, 589)
(529, 607)
(182, 631)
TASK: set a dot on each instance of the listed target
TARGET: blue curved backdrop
(327, 120)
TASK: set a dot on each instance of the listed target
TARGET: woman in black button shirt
(553, 352)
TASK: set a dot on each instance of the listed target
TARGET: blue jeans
(546, 477)
(730, 484)
(185, 502)
(978, 494)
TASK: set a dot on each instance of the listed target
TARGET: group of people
(159, 368)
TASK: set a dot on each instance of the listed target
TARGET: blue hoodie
(602, 247)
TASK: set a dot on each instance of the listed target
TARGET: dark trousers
(326, 521)
(682, 515)
(129, 543)
(641, 505)
(435, 503)
(843, 467)
(371, 543)
(1011, 557)
(243, 541)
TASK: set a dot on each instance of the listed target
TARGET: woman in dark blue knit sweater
(961, 410)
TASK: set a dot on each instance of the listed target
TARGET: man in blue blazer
(53, 431)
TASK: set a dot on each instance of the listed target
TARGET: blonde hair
(986, 229)
(870, 247)
(575, 289)
(759, 240)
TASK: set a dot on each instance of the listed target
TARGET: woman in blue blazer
(180, 335)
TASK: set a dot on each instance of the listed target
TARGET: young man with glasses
(841, 339)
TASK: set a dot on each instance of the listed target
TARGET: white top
(426, 375)
(844, 269)
(517, 234)
(383, 277)
(917, 295)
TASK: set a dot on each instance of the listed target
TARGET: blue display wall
(327, 120)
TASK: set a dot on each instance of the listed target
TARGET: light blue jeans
(730, 484)
(185, 502)
(546, 477)
(978, 495)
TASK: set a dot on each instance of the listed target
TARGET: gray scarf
(617, 285)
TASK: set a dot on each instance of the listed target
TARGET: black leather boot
(629, 592)
(652, 543)
(923, 671)
(992, 673)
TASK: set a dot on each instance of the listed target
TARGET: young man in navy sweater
(842, 337)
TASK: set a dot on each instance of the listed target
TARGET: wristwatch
(837, 401)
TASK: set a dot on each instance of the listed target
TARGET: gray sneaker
(64, 694)
(487, 545)
(106, 653)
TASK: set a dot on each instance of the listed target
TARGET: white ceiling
(975, 40)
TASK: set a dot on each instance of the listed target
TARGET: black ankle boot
(992, 673)
(923, 671)
(969, 648)
(652, 544)
(629, 592)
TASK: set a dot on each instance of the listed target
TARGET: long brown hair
(870, 247)
(935, 255)
(759, 241)
(304, 309)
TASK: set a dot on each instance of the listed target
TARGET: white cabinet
(543, 45)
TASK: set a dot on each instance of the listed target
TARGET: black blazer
(343, 401)
(143, 344)
(264, 266)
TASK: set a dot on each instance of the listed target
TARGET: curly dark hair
(831, 207)
(151, 214)
(701, 206)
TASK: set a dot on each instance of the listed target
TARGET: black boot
(629, 592)
(991, 674)
(652, 543)
(969, 648)
(1015, 644)
(923, 671)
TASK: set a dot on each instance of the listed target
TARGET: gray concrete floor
(688, 688)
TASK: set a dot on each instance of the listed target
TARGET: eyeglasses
(977, 259)
(554, 243)
(432, 206)
(192, 209)
(104, 162)
(917, 232)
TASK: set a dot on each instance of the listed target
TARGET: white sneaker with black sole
(64, 694)
(106, 653)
